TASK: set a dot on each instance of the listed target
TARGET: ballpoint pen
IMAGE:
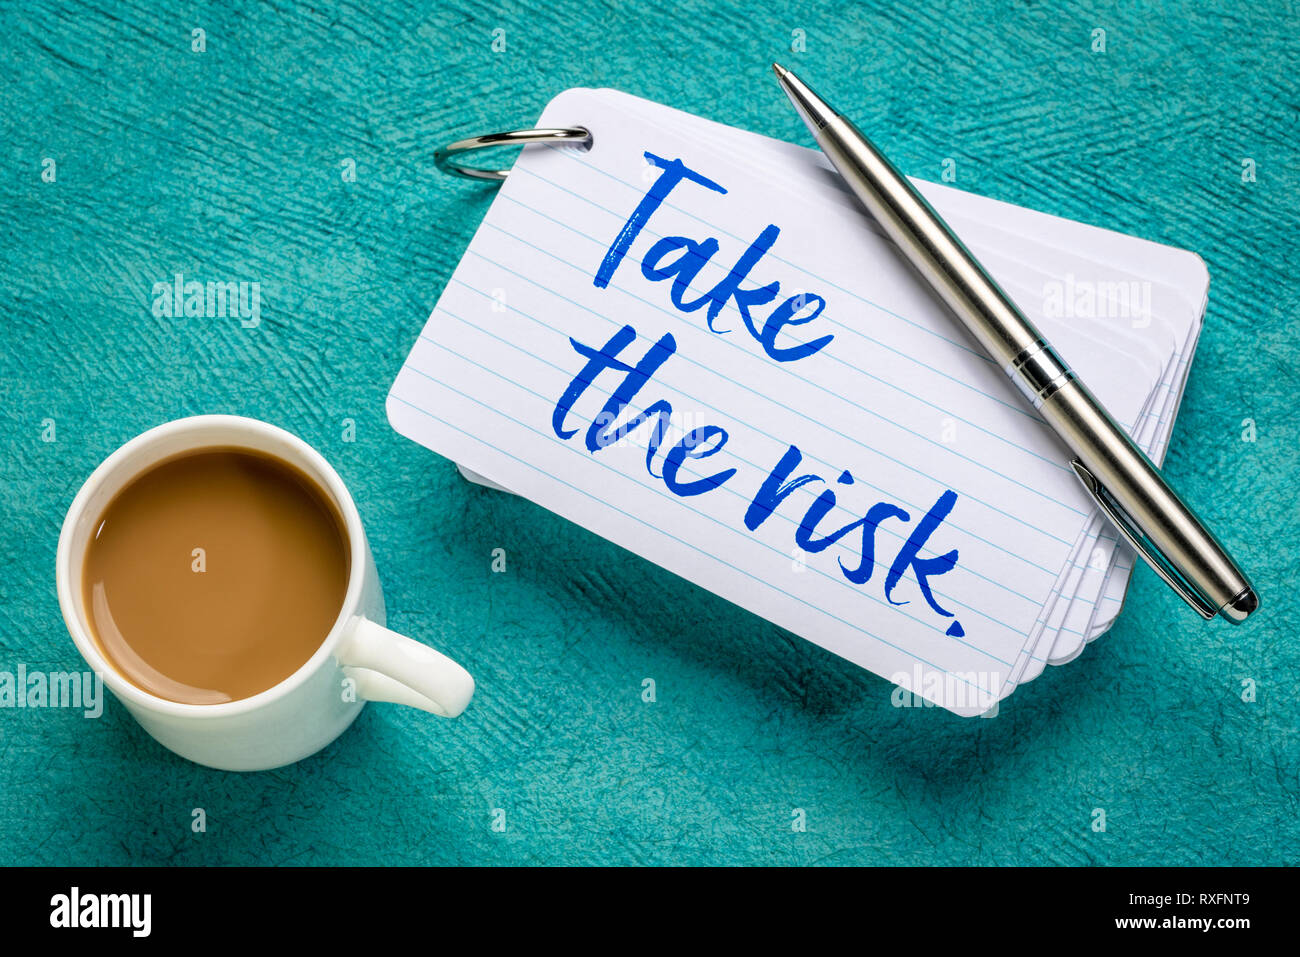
(1126, 485)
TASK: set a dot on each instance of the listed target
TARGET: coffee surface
(215, 575)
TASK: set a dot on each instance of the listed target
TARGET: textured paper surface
(228, 165)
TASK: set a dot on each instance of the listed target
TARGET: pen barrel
(1202, 571)
(927, 243)
(1126, 475)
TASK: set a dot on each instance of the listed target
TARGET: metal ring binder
(442, 158)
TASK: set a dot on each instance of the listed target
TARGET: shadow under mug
(359, 660)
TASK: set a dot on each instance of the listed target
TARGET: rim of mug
(68, 566)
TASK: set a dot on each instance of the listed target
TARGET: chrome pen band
(1039, 373)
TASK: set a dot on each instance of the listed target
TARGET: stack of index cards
(690, 340)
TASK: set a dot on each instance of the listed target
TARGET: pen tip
(779, 70)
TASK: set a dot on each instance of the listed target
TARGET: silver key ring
(442, 158)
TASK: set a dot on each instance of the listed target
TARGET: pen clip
(1143, 546)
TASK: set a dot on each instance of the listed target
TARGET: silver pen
(1127, 487)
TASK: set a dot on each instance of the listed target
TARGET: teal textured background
(226, 165)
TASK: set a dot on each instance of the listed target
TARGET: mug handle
(390, 667)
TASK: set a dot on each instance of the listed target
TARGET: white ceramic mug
(359, 660)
